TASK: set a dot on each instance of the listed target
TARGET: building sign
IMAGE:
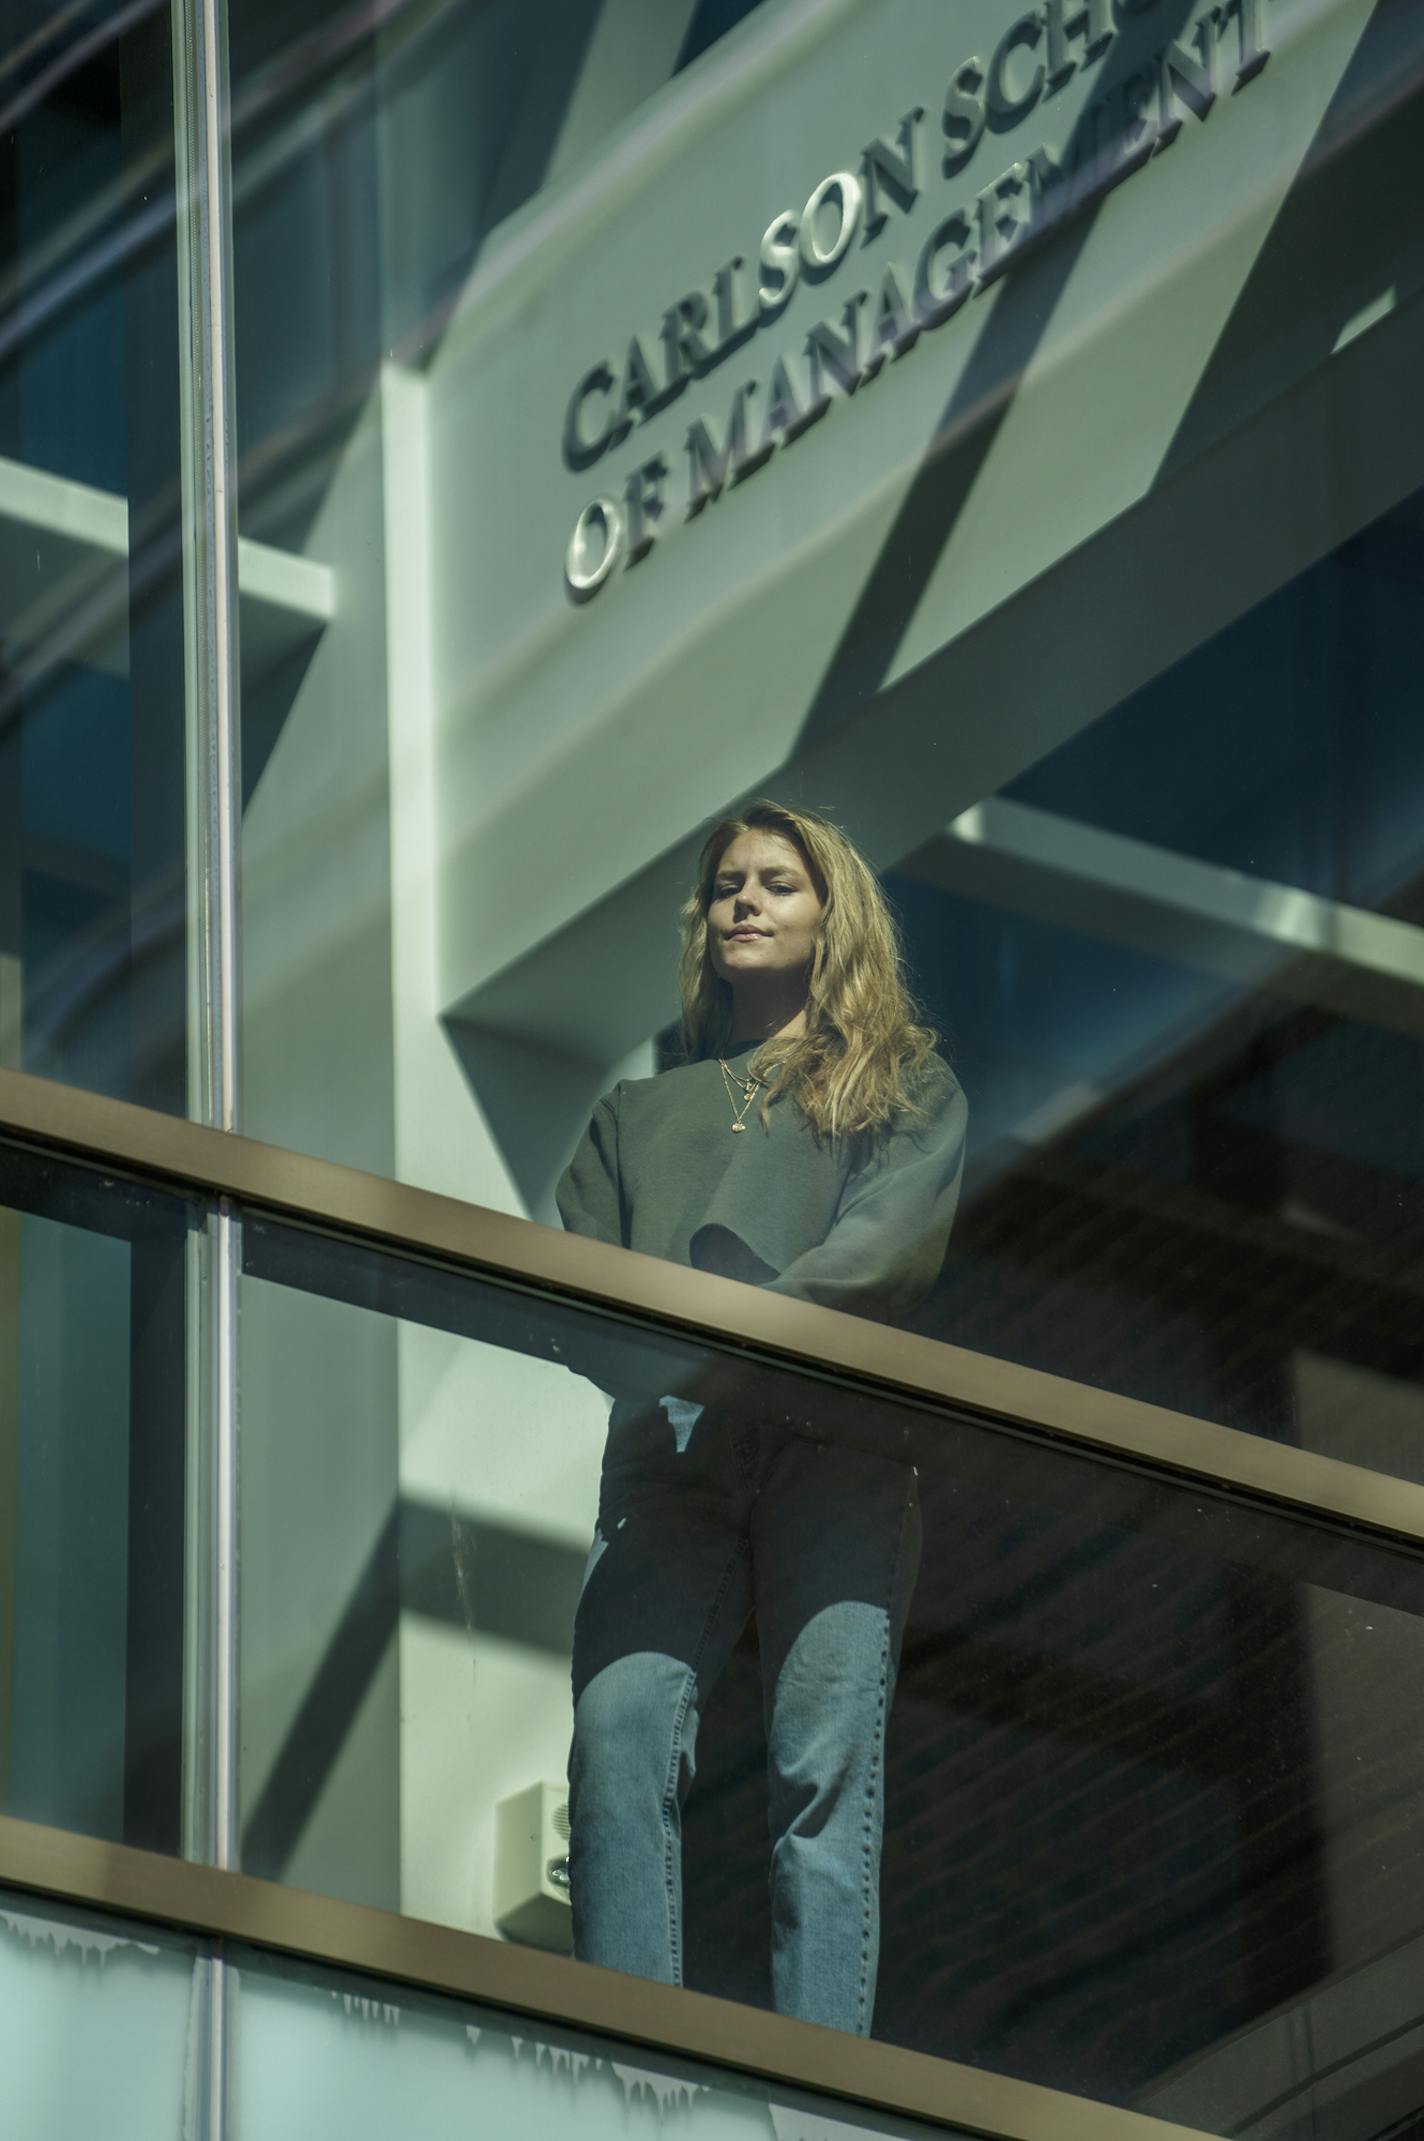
(980, 238)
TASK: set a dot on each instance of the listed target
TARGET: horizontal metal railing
(698, 1306)
(219, 1906)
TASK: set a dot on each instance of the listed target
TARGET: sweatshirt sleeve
(626, 1364)
(588, 1195)
(887, 1241)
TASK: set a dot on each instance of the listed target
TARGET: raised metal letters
(1006, 106)
(893, 327)
(711, 467)
(895, 169)
(1003, 219)
(964, 115)
(978, 240)
(780, 264)
(594, 548)
(940, 292)
(579, 448)
(1092, 20)
(842, 187)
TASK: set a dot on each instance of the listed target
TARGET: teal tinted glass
(1148, 1777)
(93, 908)
(317, 2045)
(100, 2024)
(94, 1309)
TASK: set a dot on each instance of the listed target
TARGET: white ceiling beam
(1247, 929)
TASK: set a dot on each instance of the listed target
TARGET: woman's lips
(748, 936)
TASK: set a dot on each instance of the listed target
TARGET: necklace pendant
(738, 1126)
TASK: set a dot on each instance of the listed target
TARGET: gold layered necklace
(735, 1084)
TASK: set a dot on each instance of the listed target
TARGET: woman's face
(765, 910)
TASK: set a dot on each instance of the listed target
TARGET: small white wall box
(531, 1868)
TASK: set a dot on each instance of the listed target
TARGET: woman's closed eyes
(726, 892)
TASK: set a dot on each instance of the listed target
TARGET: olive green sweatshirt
(660, 1169)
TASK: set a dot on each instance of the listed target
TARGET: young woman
(811, 1144)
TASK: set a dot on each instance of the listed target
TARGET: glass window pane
(1007, 445)
(92, 747)
(99, 2023)
(1149, 1785)
(318, 2047)
(93, 1347)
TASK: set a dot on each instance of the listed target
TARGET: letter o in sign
(844, 187)
(594, 548)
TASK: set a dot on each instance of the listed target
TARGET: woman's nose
(746, 902)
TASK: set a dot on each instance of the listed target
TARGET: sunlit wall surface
(997, 429)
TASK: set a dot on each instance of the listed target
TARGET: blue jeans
(701, 1518)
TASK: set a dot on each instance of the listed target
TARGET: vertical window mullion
(202, 108)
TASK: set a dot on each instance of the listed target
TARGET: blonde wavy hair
(860, 1064)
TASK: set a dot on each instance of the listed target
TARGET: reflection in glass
(93, 1335)
(1151, 1788)
(1102, 657)
(1181, 959)
(373, 171)
(92, 963)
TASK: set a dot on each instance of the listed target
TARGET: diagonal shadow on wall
(971, 419)
(1368, 148)
(466, 1572)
